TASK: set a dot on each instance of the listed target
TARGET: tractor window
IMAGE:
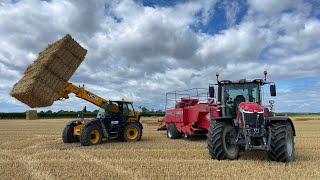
(125, 109)
(234, 94)
(113, 107)
(131, 111)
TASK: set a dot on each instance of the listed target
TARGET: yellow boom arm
(80, 92)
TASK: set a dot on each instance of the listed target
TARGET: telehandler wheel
(132, 132)
(90, 135)
(218, 139)
(172, 132)
(67, 134)
(282, 143)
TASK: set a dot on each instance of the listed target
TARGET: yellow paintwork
(132, 119)
(113, 108)
(95, 139)
(132, 133)
(77, 129)
(80, 92)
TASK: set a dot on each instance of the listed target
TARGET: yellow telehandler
(115, 119)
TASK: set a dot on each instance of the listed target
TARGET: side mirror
(273, 90)
(211, 91)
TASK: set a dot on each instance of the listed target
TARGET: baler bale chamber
(49, 73)
(187, 113)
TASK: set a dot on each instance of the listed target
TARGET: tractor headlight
(247, 111)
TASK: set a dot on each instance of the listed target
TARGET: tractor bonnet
(251, 106)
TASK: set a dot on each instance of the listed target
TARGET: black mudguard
(93, 121)
(73, 122)
(281, 120)
(140, 124)
(221, 119)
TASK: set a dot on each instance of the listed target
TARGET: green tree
(144, 110)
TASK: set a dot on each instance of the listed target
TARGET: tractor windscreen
(234, 94)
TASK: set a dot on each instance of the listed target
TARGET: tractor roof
(243, 81)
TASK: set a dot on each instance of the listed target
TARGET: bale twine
(48, 74)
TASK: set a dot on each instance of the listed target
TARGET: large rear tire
(172, 132)
(91, 135)
(132, 132)
(67, 134)
(282, 143)
(218, 138)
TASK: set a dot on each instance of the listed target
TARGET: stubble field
(34, 150)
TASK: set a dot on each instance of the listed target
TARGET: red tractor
(234, 119)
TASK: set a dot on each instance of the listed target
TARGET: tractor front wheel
(91, 135)
(172, 132)
(282, 143)
(132, 132)
(67, 134)
(221, 141)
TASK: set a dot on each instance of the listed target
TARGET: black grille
(253, 119)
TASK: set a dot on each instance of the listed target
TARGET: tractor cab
(232, 93)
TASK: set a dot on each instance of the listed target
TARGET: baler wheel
(67, 134)
(218, 139)
(282, 143)
(172, 132)
(91, 135)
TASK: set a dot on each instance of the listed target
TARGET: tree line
(73, 114)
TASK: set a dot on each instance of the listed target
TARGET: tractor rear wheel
(132, 132)
(172, 132)
(67, 134)
(282, 143)
(219, 138)
(90, 135)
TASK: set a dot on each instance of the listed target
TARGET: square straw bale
(43, 79)
(47, 77)
(31, 115)
(33, 92)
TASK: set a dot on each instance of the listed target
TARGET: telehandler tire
(172, 132)
(218, 137)
(282, 143)
(91, 135)
(132, 132)
(67, 134)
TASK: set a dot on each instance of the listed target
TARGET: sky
(139, 50)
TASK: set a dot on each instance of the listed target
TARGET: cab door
(128, 112)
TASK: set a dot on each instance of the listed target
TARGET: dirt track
(34, 150)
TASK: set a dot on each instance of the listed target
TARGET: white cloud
(271, 6)
(139, 53)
